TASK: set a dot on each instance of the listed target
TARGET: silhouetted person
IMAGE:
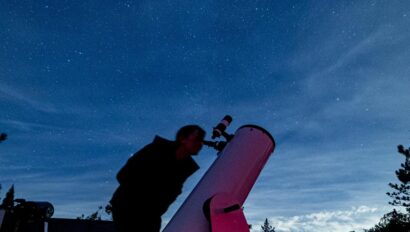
(152, 179)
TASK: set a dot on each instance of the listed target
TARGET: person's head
(189, 139)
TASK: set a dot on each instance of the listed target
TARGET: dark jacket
(153, 178)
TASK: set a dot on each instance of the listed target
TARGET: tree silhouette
(396, 221)
(8, 201)
(401, 195)
(3, 137)
(392, 222)
(267, 227)
(96, 216)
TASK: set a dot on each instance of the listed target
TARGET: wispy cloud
(22, 98)
(372, 41)
(305, 179)
(26, 126)
(69, 135)
(362, 87)
(357, 218)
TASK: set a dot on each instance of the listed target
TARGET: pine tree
(8, 201)
(392, 222)
(397, 221)
(267, 227)
(401, 195)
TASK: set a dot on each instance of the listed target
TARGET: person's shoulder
(160, 140)
(159, 147)
(145, 150)
(163, 143)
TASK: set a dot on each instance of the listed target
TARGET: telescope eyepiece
(222, 125)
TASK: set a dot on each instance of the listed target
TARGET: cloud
(64, 134)
(23, 98)
(357, 218)
(304, 180)
(361, 86)
(373, 41)
(26, 126)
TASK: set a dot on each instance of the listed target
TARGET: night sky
(85, 84)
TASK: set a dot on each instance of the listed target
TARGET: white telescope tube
(234, 172)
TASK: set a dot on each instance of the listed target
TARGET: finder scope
(222, 125)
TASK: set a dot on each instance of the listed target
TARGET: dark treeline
(396, 221)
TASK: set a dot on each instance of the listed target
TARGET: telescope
(216, 202)
(25, 216)
(33, 210)
(219, 130)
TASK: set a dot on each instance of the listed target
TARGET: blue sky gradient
(85, 84)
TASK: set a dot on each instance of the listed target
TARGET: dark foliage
(267, 227)
(8, 201)
(396, 221)
(96, 216)
(393, 222)
(401, 194)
